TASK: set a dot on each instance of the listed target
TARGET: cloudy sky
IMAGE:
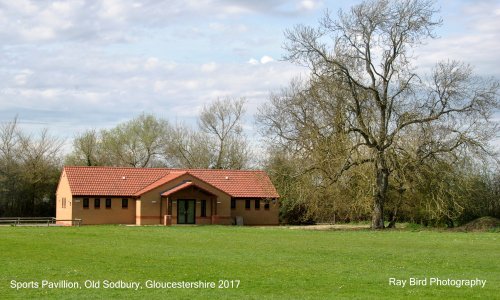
(74, 65)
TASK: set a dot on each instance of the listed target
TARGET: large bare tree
(222, 120)
(367, 55)
(188, 148)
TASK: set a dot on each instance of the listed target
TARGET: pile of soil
(481, 224)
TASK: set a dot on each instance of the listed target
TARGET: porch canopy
(188, 185)
(182, 186)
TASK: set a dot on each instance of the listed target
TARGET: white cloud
(478, 43)
(110, 21)
(62, 7)
(160, 85)
(209, 67)
(266, 59)
(227, 27)
(22, 77)
(217, 26)
(151, 63)
(263, 60)
(21, 6)
(189, 84)
(37, 33)
(95, 63)
(253, 61)
(113, 10)
(235, 9)
(109, 87)
(308, 5)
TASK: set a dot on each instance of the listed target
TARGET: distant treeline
(442, 190)
(30, 165)
(29, 172)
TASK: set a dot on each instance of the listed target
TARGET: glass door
(186, 211)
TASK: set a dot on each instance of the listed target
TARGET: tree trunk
(380, 193)
(394, 214)
(218, 164)
(392, 220)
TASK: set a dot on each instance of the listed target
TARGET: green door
(186, 211)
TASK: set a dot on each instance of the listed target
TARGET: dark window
(247, 204)
(108, 202)
(85, 202)
(233, 203)
(257, 203)
(97, 203)
(266, 205)
(63, 203)
(203, 212)
(124, 203)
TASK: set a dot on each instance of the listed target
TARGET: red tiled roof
(106, 181)
(239, 183)
(117, 181)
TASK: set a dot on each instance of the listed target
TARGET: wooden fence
(37, 221)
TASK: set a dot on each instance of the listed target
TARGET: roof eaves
(177, 188)
(158, 183)
(204, 181)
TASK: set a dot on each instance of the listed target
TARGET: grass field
(273, 263)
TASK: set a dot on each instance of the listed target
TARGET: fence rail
(16, 221)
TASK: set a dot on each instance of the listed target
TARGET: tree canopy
(365, 101)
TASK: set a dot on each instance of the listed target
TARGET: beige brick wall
(114, 215)
(64, 193)
(254, 216)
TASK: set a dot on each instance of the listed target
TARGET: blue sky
(74, 65)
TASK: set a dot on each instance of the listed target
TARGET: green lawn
(268, 262)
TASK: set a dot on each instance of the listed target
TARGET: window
(63, 203)
(203, 212)
(97, 203)
(247, 204)
(124, 203)
(266, 205)
(233, 203)
(108, 202)
(85, 202)
(257, 203)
